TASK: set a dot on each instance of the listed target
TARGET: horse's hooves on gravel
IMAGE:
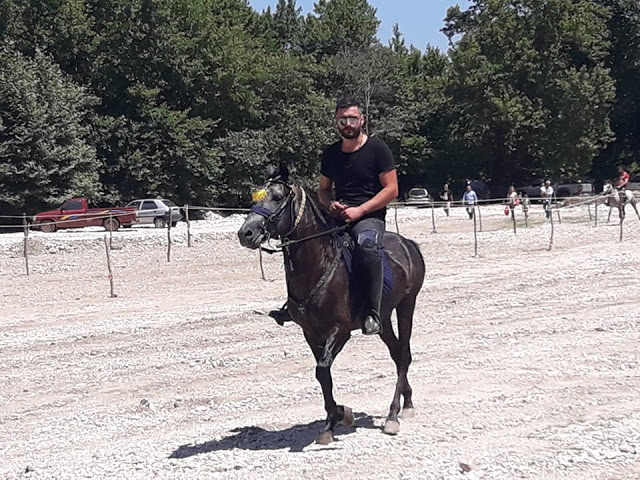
(325, 438)
(391, 427)
(348, 420)
(408, 413)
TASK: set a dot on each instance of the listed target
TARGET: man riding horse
(623, 179)
(622, 182)
(362, 170)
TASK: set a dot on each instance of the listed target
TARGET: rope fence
(475, 214)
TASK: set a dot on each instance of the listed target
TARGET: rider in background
(623, 179)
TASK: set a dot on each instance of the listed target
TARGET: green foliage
(340, 24)
(529, 86)
(623, 60)
(191, 99)
(45, 120)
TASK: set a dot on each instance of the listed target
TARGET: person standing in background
(512, 200)
(470, 200)
(547, 195)
(447, 197)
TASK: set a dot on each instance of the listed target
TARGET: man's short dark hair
(347, 102)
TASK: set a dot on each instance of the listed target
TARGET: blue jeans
(368, 231)
(368, 235)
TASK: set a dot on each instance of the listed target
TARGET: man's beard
(355, 133)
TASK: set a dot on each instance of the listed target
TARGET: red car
(75, 213)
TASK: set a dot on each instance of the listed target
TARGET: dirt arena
(525, 361)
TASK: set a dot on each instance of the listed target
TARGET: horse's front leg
(325, 353)
(400, 351)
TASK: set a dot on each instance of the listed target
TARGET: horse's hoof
(391, 427)
(408, 413)
(325, 438)
(348, 420)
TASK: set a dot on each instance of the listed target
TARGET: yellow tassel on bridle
(259, 196)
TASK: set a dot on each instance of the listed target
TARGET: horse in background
(615, 200)
(322, 297)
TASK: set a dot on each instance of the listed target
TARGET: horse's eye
(277, 194)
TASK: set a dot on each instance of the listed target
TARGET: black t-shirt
(355, 175)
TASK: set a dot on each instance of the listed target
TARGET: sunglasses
(344, 121)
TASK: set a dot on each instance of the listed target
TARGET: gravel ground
(526, 361)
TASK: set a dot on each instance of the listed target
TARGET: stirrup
(281, 316)
(371, 326)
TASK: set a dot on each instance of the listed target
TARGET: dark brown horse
(321, 294)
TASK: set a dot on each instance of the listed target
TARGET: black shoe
(371, 326)
(281, 316)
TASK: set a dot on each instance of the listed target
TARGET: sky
(420, 21)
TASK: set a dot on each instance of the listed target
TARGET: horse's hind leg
(325, 355)
(405, 326)
(635, 207)
(400, 351)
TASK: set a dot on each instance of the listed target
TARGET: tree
(623, 60)
(45, 154)
(339, 24)
(529, 86)
(288, 25)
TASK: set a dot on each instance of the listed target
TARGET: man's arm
(389, 192)
(325, 191)
(325, 194)
(389, 182)
(625, 179)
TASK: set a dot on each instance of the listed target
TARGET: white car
(419, 197)
(156, 211)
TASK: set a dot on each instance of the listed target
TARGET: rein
(286, 242)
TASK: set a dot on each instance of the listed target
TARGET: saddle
(346, 246)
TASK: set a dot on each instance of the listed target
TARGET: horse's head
(272, 214)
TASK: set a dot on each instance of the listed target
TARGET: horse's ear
(272, 172)
(280, 173)
(284, 173)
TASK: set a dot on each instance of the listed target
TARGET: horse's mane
(320, 211)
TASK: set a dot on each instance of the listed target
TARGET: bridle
(273, 217)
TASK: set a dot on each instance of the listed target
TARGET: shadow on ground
(295, 438)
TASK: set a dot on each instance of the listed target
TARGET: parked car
(419, 197)
(156, 211)
(77, 213)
